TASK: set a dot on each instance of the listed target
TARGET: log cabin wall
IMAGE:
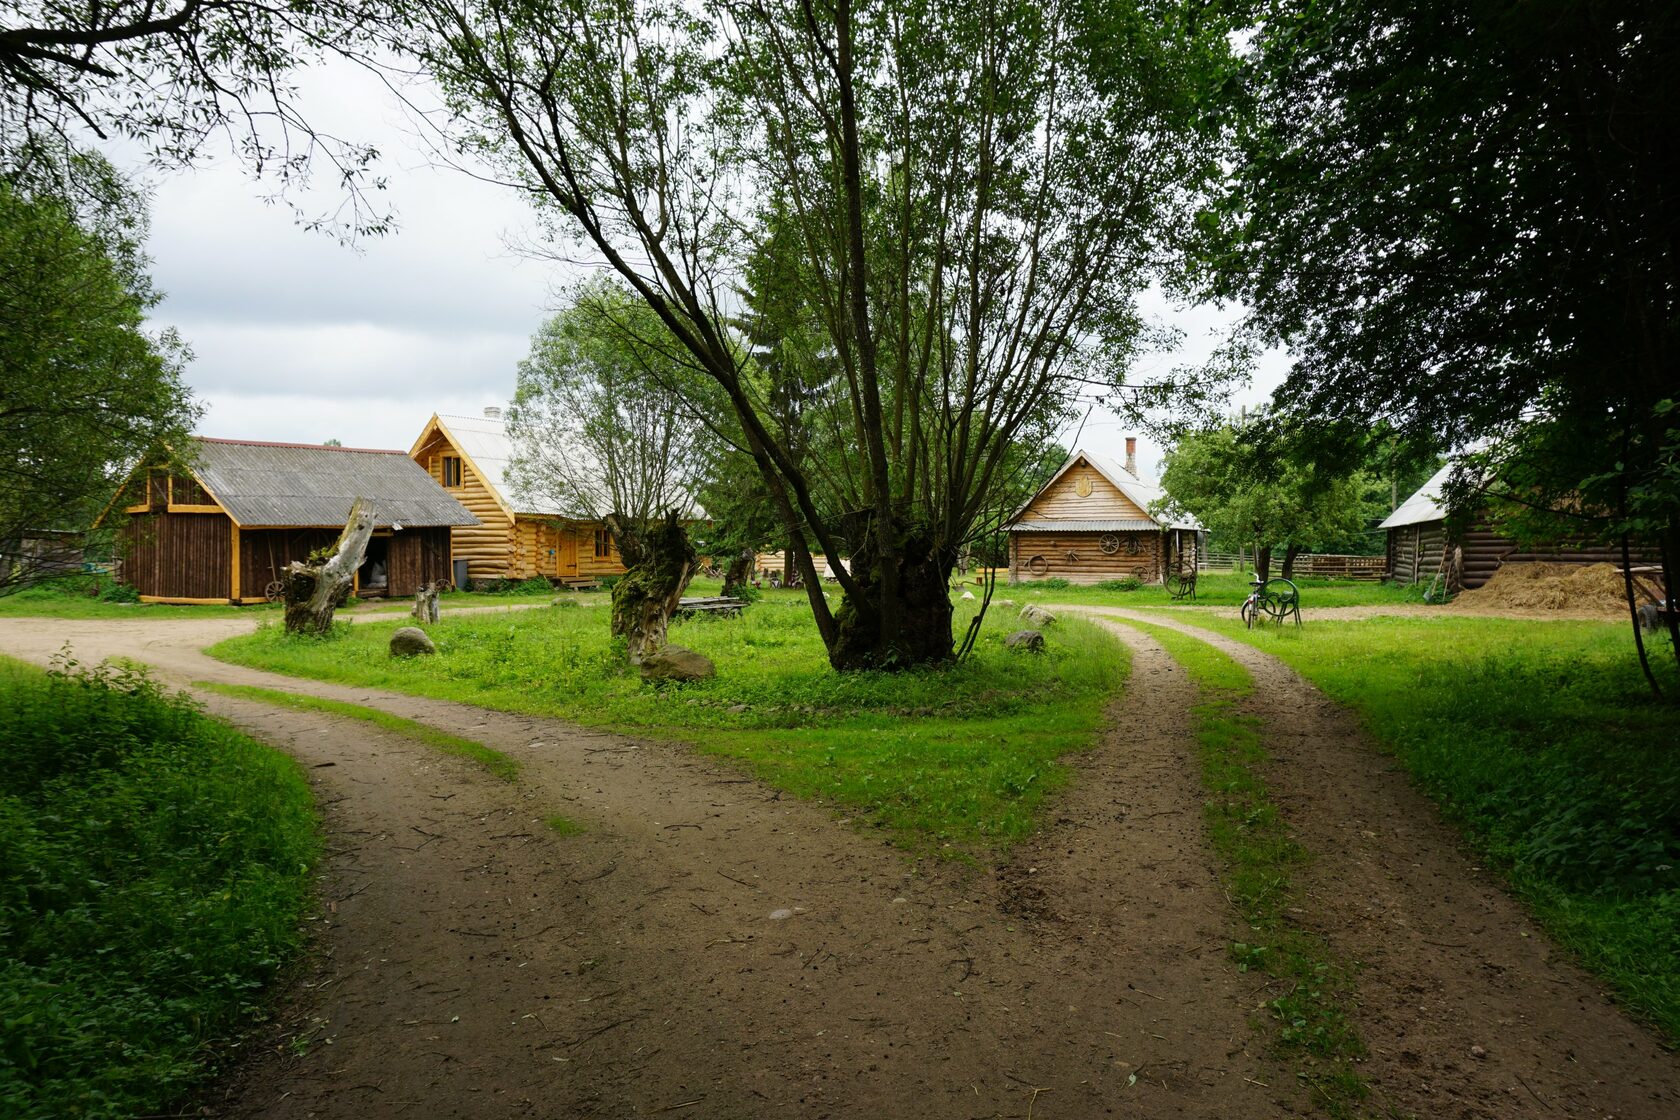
(490, 549)
(1415, 551)
(1104, 500)
(186, 556)
(591, 562)
(1139, 556)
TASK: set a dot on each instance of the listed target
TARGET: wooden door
(565, 555)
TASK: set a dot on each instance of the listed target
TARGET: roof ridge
(300, 446)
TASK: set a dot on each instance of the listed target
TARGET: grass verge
(1541, 742)
(1215, 589)
(499, 764)
(952, 759)
(154, 867)
(1311, 1026)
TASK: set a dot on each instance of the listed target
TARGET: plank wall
(1139, 556)
(1062, 501)
(491, 548)
(179, 555)
(418, 556)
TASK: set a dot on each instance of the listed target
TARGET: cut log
(317, 587)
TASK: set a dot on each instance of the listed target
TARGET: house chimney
(1131, 456)
(492, 413)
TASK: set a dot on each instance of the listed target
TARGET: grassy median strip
(1312, 1028)
(492, 760)
(955, 760)
(155, 866)
(1540, 740)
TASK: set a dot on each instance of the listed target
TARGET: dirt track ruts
(1446, 959)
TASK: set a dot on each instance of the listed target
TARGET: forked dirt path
(1447, 961)
(709, 948)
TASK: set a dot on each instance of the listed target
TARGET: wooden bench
(716, 604)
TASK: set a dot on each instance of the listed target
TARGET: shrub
(1054, 583)
(1127, 583)
(120, 593)
(153, 868)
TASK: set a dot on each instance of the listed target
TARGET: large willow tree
(965, 197)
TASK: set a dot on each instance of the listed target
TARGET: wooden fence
(1323, 565)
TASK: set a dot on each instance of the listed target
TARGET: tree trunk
(1289, 554)
(740, 567)
(908, 625)
(1263, 562)
(317, 587)
(426, 603)
(660, 561)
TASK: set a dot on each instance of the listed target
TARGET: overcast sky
(298, 338)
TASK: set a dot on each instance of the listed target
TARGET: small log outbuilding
(224, 529)
(1421, 545)
(1092, 522)
(515, 537)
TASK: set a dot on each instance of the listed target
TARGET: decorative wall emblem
(1083, 486)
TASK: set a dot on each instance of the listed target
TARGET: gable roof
(484, 444)
(305, 485)
(1141, 493)
(1423, 506)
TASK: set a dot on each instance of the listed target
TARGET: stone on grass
(968, 596)
(411, 641)
(1030, 640)
(674, 663)
(1037, 615)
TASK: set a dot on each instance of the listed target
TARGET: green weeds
(499, 764)
(154, 865)
(950, 759)
(1311, 1026)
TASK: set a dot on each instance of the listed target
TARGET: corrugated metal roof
(288, 484)
(1425, 505)
(1121, 525)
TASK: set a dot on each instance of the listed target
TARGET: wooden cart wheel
(1038, 565)
(1110, 544)
(275, 591)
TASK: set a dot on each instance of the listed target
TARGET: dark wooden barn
(1419, 539)
(224, 529)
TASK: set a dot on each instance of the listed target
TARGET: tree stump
(660, 563)
(426, 603)
(740, 567)
(317, 587)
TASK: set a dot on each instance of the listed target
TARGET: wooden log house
(224, 529)
(517, 537)
(1092, 522)
(1419, 538)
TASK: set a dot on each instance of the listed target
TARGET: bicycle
(1276, 604)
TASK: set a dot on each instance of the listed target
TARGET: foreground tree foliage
(963, 201)
(1461, 218)
(87, 388)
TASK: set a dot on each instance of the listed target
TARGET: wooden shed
(1091, 522)
(224, 531)
(1418, 539)
(516, 537)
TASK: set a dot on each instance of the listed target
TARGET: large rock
(411, 641)
(1029, 640)
(674, 663)
(1037, 615)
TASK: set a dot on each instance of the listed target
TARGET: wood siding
(1139, 556)
(417, 556)
(1414, 554)
(179, 555)
(1062, 500)
(490, 549)
(264, 554)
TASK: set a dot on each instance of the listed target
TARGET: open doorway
(373, 578)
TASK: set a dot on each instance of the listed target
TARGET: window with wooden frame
(603, 544)
(451, 471)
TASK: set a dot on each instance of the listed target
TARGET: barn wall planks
(179, 555)
(1062, 500)
(1414, 553)
(1139, 555)
(418, 556)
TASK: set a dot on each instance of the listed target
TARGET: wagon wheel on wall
(1071, 556)
(1038, 566)
(1110, 544)
(275, 591)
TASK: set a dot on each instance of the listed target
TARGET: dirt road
(710, 948)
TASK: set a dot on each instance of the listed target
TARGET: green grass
(1217, 589)
(562, 825)
(83, 597)
(953, 759)
(499, 764)
(1540, 740)
(1311, 1026)
(154, 867)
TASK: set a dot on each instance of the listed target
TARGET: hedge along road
(706, 947)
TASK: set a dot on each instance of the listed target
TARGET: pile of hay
(1574, 588)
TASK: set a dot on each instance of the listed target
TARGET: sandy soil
(710, 948)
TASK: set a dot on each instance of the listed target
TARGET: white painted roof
(1425, 505)
(486, 443)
